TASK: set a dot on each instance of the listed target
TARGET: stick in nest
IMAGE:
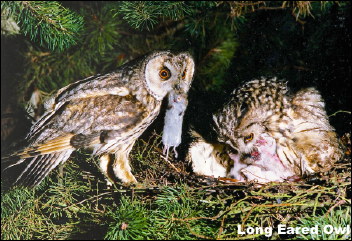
(172, 165)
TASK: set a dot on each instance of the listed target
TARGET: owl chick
(105, 113)
(173, 121)
(296, 124)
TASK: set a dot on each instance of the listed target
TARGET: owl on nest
(265, 133)
(105, 113)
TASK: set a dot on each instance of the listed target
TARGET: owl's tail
(40, 166)
(40, 159)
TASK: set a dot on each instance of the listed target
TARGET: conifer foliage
(47, 45)
(72, 40)
(47, 23)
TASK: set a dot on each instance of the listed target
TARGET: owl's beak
(177, 87)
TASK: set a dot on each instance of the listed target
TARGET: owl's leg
(116, 168)
(105, 162)
(122, 169)
(121, 166)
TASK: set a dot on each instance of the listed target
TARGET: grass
(339, 218)
(171, 203)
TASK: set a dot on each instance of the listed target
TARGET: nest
(272, 203)
(206, 207)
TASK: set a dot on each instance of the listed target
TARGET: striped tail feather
(39, 159)
(55, 145)
(40, 166)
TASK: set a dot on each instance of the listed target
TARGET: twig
(96, 196)
(270, 8)
(316, 203)
(172, 165)
(297, 18)
(242, 4)
(156, 148)
(340, 111)
(221, 229)
(247, 216)
(162, 156)
(334, 206)
(196, 234)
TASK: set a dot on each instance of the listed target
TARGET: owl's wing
(99, 85)
(102, 120)
(94, 86)
(315, 137)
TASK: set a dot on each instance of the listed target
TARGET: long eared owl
(268, 134)
(105, 113)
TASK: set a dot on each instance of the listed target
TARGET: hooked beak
(177, 86)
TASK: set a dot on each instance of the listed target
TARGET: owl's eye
(165, 73)
(183, 74)
(248, 138)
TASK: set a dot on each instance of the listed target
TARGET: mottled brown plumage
(275, 134)
(105, 113)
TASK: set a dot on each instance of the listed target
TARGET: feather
(99, 85)
(106, 113)
(40, 166)
(58, 144)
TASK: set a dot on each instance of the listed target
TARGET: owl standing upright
(271, 134)
(106, 113)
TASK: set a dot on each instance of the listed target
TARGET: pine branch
(49, 71)
(140, 15)
(46, 22)
(146, 14)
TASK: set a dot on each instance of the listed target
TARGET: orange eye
(183, 74)
(165, 73)
(248, 138)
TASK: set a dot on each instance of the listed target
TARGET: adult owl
(105, 113)
(270, 134)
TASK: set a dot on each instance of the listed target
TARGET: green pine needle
(47, 22)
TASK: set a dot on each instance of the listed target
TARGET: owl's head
(240, 126)
(165, 71)
(247, 137)
(243, 137)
